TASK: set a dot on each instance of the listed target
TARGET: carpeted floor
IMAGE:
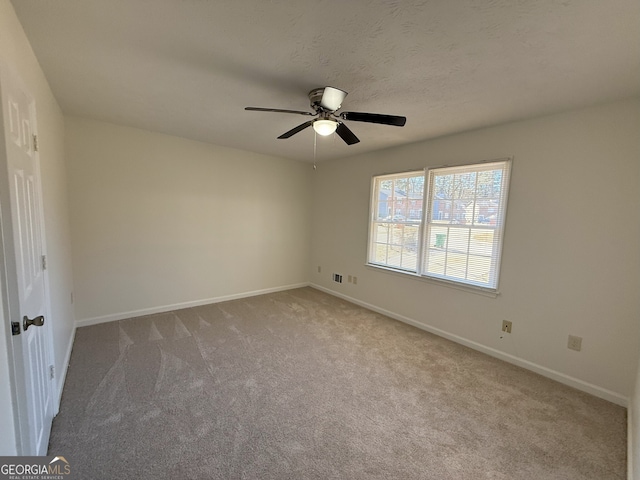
(302, 385)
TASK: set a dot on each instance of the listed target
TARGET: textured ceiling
(189, 67)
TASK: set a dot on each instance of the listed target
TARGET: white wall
(571, 257)
(16, 54)
(160, 221)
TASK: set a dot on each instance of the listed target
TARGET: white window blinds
(447, 224)
(465, 223)
(396, 219)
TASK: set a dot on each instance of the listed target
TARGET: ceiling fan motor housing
(315, 97)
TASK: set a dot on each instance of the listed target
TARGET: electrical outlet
(337, 278)
(319, 269)
(574, 343)
(349, 278)
(355, 280)
(506, 326)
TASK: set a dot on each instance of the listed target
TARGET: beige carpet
(302, 385)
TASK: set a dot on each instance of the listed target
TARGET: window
(451, 230)
(395, 221)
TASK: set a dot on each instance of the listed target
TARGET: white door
(24, 270)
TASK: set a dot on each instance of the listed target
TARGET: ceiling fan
(326, 101)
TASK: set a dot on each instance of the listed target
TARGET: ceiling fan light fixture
(325, 102)
(325, 127)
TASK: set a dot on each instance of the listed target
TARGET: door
(26, 290)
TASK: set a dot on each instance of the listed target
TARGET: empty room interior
(328, 239)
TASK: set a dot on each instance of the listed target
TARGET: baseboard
(62, 375)
(177, 306)
(539, 369)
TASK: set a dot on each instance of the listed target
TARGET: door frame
(9, 284)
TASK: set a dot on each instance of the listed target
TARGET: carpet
(303, 385)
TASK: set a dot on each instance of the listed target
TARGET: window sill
(485, 292)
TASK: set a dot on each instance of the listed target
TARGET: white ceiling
(189, 67)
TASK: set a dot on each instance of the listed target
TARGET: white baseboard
(520, 362)
(177, 306)
(62, 376)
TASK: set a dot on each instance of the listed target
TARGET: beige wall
(17, 56)
(570, 261)
(161, 221)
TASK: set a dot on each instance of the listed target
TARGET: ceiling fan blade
(277, 110)
(299, 128)
(374, 118)
(346, 134)
(332, 98)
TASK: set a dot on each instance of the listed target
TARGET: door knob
(27, 322)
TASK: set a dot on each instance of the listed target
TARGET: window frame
(373, 221)
(426, 224)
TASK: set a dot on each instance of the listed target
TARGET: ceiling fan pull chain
(315, 147)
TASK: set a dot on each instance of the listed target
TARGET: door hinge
(35, 143)
(44, 262)
(52, 372)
